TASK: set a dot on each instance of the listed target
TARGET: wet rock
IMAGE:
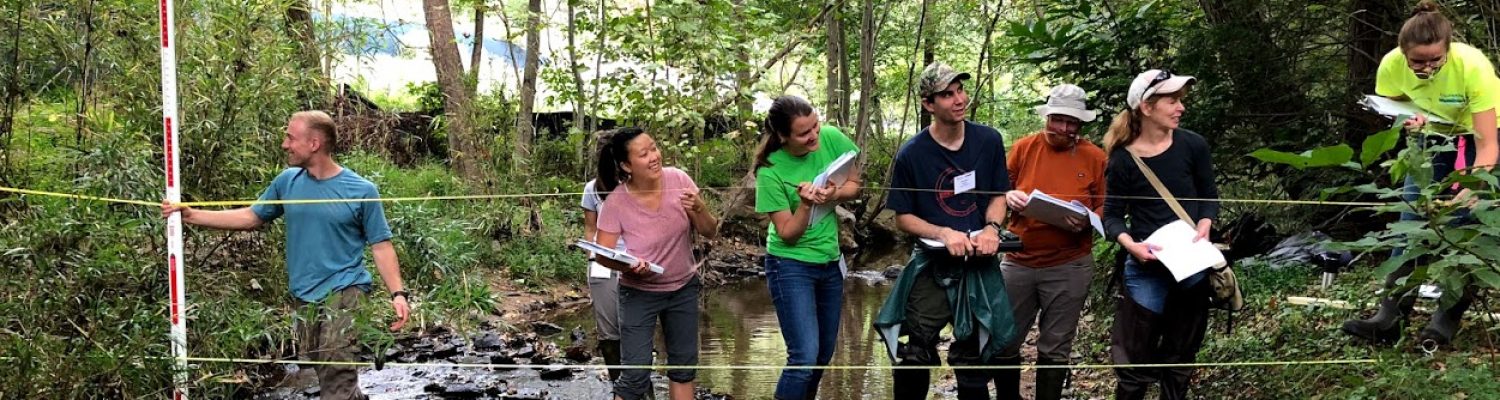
(488, 341)
(460, 390)
(444, 350)
(713, 276)
(579, 354)
(545, 328)
(526, 351)
(553, 374)
(312, 391)
(892, 272)
(705, 394)
(470, 359)
(501, 359)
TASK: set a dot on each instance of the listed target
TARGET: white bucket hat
(1070, 100)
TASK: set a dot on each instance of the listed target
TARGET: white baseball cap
(1154, 82)
(1070, 100)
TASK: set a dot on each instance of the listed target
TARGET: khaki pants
(325, 332)
(1056, 294)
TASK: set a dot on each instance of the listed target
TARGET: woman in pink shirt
(657, 212)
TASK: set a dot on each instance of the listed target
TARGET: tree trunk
(742, 70)
(603, 40)
(578, 111)
(463, 153)
(299, 22)
(515, 71)
(1368, 21)
(832, 56)
(845, 107)
(866, 72)
(525, 120)
(476, 53)
(924, 118)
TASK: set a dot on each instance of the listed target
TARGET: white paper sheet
(1180, 254)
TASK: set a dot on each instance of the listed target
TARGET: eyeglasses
(1431, 63)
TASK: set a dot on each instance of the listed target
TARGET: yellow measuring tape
(234, 203)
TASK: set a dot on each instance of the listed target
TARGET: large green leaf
(1488, 277)
(1378, 144)
(1320, 157)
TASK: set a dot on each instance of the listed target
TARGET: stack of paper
(623, 257)
(1392, 108)
(1056, 212)
(836, 173)
(1181, 254)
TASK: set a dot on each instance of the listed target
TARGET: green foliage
(1454, 249)
(1319, 157)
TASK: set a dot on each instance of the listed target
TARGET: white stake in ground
(177, 287)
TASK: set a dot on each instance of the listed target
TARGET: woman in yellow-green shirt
(1456, 82)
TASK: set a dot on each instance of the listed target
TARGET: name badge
(963, 183)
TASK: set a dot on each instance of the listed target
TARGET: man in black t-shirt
(948, 187)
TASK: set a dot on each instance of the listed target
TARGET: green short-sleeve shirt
(776, 190)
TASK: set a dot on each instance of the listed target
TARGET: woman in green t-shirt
(1456, 82)
(803, 265)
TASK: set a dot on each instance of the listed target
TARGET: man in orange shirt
(1051, 275)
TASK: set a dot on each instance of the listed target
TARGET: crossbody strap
(1161, 189)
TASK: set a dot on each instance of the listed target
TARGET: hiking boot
(1385, 326)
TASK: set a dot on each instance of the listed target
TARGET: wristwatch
(998, 228)
(401, 293)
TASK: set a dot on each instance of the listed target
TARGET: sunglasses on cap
(1161, 77)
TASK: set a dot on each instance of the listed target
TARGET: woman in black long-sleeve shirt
(1160, 320)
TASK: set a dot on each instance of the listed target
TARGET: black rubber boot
(1007, 381)
(972, 384)
(1385, 326)
(610, 350)
(911, 384)
(1445, 322)
(1050, 381)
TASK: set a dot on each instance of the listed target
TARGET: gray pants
(1058, 294)
(640, 310)
(325, 332)
(605, 292)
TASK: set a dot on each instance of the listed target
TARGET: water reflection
(739, 327)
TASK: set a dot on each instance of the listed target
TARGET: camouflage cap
(936, 77)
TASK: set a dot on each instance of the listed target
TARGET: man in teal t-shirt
(325, 246)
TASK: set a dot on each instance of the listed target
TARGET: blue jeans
(1148, 284)
(809, 300)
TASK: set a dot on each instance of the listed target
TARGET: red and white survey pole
(169, 125)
